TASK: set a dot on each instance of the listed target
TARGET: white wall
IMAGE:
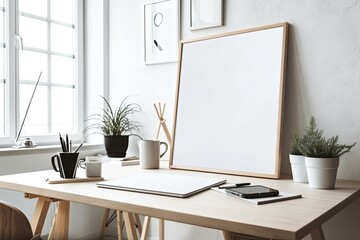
(96, 57)
(323, 77)
(129, 76)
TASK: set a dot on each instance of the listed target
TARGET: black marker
(233, 185)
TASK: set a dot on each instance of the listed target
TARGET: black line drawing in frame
(161, 31)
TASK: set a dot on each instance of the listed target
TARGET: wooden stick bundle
(160, 110)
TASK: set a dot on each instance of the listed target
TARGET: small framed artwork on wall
(161, 31)
(206, 14)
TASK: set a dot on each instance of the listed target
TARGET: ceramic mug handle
(82, 163)
(53, 162)
(166, 148)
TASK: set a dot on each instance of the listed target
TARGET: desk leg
(138, 222)
(130, 226)
(226, 235)
(317, 234)
(145, 229)
(233, 235)
(161, 229)
(103, 226)
(119, 224)
(38, 220)
(60, 227)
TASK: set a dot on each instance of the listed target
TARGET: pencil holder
(65, 163)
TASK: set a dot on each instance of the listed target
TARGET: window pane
(36, 7)
(63, 10)
(2, 92)
(2, 64)
(53, 107)
(2, 41)
(2, 72)
(62, 70)
(33, 32)
(30, 65)
(62, 109)
(62, 39)
(2, 109)
(37, 118)
(2, 26)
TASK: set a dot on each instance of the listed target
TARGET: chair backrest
(13, 223)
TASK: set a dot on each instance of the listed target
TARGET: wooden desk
(291, 219)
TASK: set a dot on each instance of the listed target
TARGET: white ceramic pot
(322, 172)
(298, 168)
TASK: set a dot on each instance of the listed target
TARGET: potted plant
(116, 126)
(297, 161)
(321, 156)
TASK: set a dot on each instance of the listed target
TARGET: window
(47, 34)
(2, 69)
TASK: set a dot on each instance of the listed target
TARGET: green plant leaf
(313, 144)
(116, 122)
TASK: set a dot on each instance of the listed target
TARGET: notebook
(174, 185)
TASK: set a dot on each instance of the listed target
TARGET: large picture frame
(229, 102)
(161, 31)
(206, 14)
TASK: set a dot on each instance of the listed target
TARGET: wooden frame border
(276, 175)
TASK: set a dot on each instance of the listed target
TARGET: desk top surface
(291, 219)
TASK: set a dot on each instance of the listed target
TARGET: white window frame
(12, 77)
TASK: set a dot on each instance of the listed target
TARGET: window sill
(46, 149)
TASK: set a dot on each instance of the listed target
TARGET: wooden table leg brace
(41, 210)
(132, 225)
(317, 234)
(60, 226)
(38, 220)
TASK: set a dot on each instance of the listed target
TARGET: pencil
(62, 143)
(77, 149)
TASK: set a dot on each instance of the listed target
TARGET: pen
(62, 143)
(77, 149)
(67, 144)
(233, 185)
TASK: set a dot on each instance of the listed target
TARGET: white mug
(149, 151)
(92, 164)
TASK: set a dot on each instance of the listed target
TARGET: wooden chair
(14, 224)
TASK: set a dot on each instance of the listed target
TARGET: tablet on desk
(174, 185)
